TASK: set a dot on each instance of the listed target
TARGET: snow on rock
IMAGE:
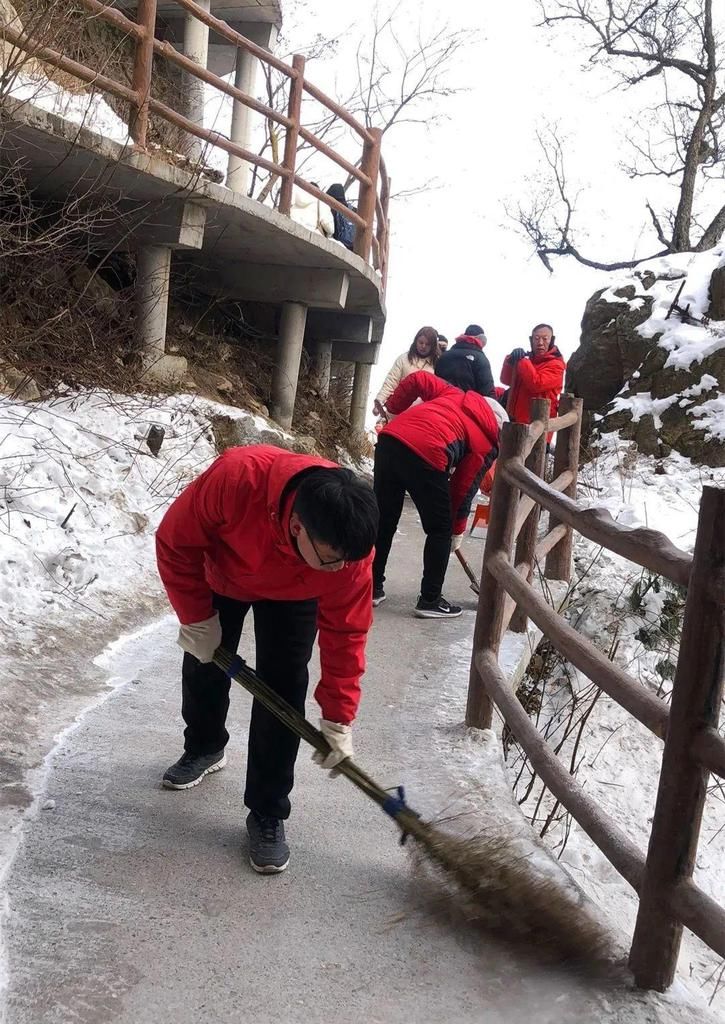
(653, 354)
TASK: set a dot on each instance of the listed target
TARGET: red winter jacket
(228, 532)
(454, 431)
(534, 377)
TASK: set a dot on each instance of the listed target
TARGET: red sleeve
(464, 483)
(541, 379)
(420, 384)
(344, 618)
(187, 532)
(507, 371)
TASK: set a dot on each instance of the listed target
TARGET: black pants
(397, 470)
(284, 633)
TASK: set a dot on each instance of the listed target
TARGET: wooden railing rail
(612, 841)
(648, 548)
(371, 217)
(651, 711)
(668, 898)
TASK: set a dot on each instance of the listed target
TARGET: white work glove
(201, 639)
(456, 541)
(340, 739)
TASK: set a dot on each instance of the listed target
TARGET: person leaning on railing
(422, 355)
(311, 213)
(344, 228)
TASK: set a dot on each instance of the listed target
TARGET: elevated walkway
(157, 203)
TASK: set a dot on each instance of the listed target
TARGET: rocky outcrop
(610, 349)
(230, 431)
(654, 373)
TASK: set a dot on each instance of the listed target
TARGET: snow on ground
(87, 109)
(634, 617)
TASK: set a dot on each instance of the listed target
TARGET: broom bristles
(504, 891)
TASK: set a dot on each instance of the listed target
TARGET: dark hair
(474, 330)
(432, 335)
(337, 192)
(442, 337)
(539, 326)
(339, 509)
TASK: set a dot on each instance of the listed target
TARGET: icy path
(133, 904)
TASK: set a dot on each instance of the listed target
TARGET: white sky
(455, 257)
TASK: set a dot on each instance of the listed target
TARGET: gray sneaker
(268, 849)
(190, 769)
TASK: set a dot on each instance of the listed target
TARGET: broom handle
(242, 674)
(467, 569)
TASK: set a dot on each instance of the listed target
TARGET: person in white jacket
(422, 355)
(312, 213)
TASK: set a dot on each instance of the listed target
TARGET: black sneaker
(268, 849)
(378, 596)
(439, 609)
(190, 769)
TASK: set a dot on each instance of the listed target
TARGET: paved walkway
(135, 905)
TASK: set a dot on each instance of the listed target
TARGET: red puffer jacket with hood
(533, 377)
(454, 431)
(228, 532)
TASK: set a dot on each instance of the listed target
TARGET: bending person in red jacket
(290, 537)
(536, 374)
(454, 434)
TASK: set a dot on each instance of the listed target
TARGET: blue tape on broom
(237, 665)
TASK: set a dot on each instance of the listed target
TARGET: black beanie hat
(474, 330)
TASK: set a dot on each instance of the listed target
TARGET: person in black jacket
(465, 366)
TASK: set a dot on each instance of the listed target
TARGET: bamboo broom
(500, 887)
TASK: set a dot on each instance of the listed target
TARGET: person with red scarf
(538, 373)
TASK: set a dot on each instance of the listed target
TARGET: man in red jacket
(290, 537)
(537, 374)
(453, 433)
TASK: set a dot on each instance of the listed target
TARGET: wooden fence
(668, 897)
(370, 218)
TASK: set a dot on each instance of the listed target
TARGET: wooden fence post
(142, 72)
(294, 112)
(566, 456)
(696, 695)
(491, 600)
(526, 542)
(366, 200)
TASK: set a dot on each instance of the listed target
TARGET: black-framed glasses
(330, 561)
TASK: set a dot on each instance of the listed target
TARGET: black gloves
(517, 355)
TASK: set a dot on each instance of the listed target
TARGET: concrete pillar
(321, 366)
(245, 74)
(359, 401)
(196, 48)
(287, 365)
(153, 268)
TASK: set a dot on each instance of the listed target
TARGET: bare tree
(680, 141)
(401, 73)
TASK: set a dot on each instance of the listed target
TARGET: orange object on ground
(480, 516)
